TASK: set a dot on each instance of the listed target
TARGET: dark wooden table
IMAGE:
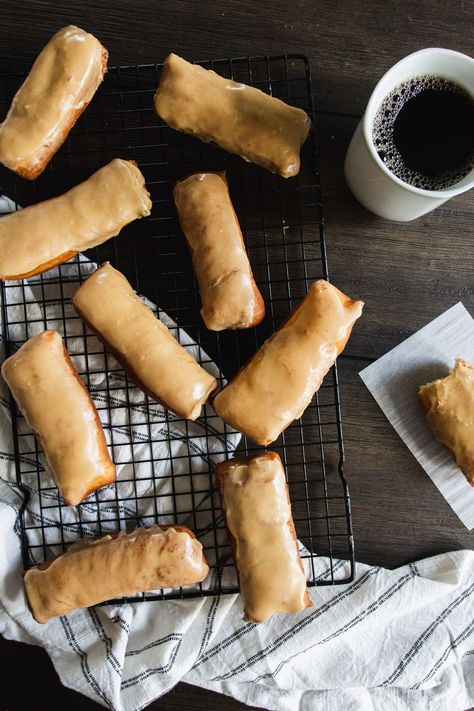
(406, 273)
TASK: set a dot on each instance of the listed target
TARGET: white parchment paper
(394, 380)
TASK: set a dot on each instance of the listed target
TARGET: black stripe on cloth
(132, 435)
(87, 506)
(51, 495)
(127, 432)
(282, 640)
(209, 625)
(419, 643)
(96, 391)
(86, 672)
(25, 460)
(32, 281)
(65, 526)
(414, 569)
(221, 436)
(16, 525)
(117, 620)
(56, 302)
(128, 512)
(174, 636)
(309, 618)
(173, 436)
(92, 508)
(111, 658)
(124, 402)
(234, 637)
(134, 680)
(450, 648)
(140, 408)
(375, 605)
(144, 410)
(13, 488)
(330, 571)
(147, 703)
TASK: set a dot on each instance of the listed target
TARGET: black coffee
(424, 132)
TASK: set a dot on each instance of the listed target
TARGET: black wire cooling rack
(166, 465)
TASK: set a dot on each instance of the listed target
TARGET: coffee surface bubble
(423, 131)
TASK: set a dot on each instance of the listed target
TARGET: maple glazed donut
(142, 344)
(39, 237)
(449, 407)
(60, 85)
(256, 506)
(60, 411)
(278, 383)
(144, 559)
(229, 296)
(239, 118)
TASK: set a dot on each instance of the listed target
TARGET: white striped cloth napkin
(401, 639)
(392, 640)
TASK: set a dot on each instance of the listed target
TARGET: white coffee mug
(371, 182)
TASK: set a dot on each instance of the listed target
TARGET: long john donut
(144, 559)
(229, 296)
(277, 384)
(60, 85)
(60, 411)
(239, 118)
(143, 345)
(256, 506)
(41, 236)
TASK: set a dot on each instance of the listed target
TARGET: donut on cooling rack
(239, 118)
(60, 85)
(256, 506)
(41, 236)
(145, 559)
(142, 344)
(229, 295)
(277, 384)
(60, 411)
(449, 406)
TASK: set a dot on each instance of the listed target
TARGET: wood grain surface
(407, 273)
